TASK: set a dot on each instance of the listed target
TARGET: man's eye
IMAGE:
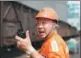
(40, 23)
(37, 23)
(43, 22)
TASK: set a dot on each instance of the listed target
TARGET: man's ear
(56, 26)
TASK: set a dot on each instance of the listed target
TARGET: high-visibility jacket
(54, 47)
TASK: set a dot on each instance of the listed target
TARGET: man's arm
(25, 45)
(33, 53)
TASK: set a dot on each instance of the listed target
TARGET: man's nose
(40, 25)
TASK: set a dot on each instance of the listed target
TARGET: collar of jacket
(54, 32)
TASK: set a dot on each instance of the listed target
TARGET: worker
(53, 45)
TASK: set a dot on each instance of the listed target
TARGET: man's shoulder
(58, 39)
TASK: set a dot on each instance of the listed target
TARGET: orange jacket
(54, 47)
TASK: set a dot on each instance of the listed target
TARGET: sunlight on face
(44, 27)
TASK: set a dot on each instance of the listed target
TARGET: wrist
(30, 50)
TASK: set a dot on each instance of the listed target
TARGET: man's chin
(42, 36)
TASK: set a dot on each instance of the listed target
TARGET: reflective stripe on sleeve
(54, 46)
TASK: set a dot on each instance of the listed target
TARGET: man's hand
(24, 44)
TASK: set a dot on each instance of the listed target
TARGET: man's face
(44, 27)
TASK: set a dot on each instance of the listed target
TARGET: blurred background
(16, 15)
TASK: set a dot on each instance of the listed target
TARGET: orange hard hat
(47, 13)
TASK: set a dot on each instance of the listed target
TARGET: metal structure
(15, 16)
(12, 14)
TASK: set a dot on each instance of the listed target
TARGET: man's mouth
(41, 31)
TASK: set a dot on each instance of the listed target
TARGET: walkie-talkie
(21, 33)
